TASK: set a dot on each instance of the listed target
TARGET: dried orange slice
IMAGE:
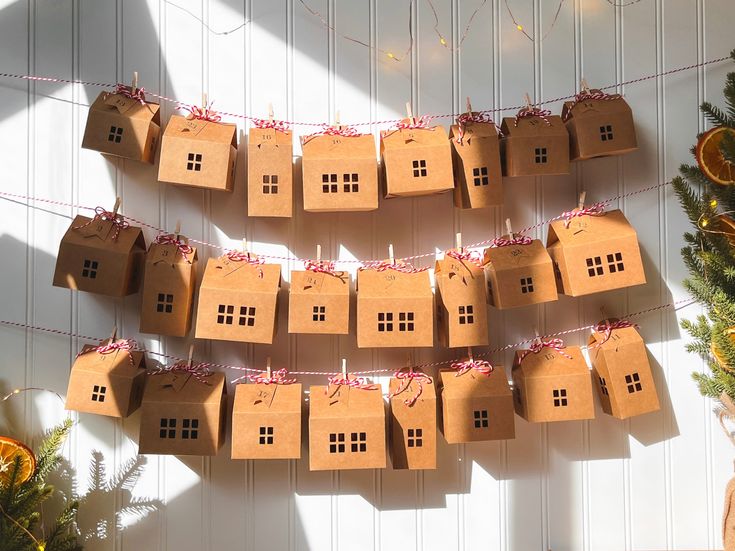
(9, 450)
(710, 158)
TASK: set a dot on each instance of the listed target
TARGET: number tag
(163, 253)
(313, 281)
(119, 102)
(549, 357)
(98, 228)
(193, 126)
(265, 395)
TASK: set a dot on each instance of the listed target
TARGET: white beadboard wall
(653, 482)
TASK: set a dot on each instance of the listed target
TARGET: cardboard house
(532, 146)
(270, 173)
(106, 384)
(416, 161)
(519, 275)
(122, 126)
(461, 307)
(394, 309)
(594, 254)
(476, 406)
(413, 424)
(622, 373)
(238, 301)
(599, 127)
(548, 386)
(181, 415)
(346, 428)
(266, 421)
(477, 165)
(198, 153)
(97, 257)
(340, 173)
(168, 290)
(319, 303)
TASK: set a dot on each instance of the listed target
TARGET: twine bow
(507, 242)
(204, 113)
(281, 126)
(137, 94)
(355, 382)
(106, 216)
(275, 378)
(593, 210)
(481, 366)
(329, 130)
(406, 377)
(587, 95)
(167, 239)
(113, 347)
(324, 267)
(383, 265)
(469, 117)
(415, 122)
(238, 256)
(539, 344)
(531, 111)
(199, 371)
(466, 255)
(606, 328)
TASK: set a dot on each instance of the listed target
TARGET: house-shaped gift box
(346, 428)
(99, 257)
(394, 308)
(621, 370)
(198, 153)
(124, 127)
(109, 383)
(519, 274)
(594, 253)
(319, 302)
(534, 146)
(168, 289)
(238, 301)
(599, 126)
(183, 414)
(552, 385)
(460, 302)
(416, 161)
(266, 421)
(413, 421)
(270, 173)
(340, 173)
(476, 406)
(477, 166)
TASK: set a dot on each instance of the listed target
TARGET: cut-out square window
(481, 419)
(560, 397)
(603, 386)
(385, 321)
(337, 442)
(165, 303)
(319, 313)
(405, 321)
(606, 133)
(190, 429)
(358, 442)
(351, 182)
(594, 266)
(415, 438)
(270, 184)
(526, 285)
(168, 428)
(419, 168)
(225, 314)
(98, 393)
(329, 183)
(194, 162)
(115, 135)
(266, 435)
(466, 314)
(615, 263)
(90, 269)
(540, 156)
(634, 383)
(479, 176)
(247, 315)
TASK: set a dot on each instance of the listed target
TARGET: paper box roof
(477, 165)
(270, 173)
(599, 127)
(413, 424)
(534, 146)
(319, 303)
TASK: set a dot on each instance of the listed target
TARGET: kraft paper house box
(622, 372)
(198, 153)
(270, 173)
(238, 301)
(594, 254)
(519, 275)
(548, 386)
(346, 428)
(413, 421)
(476, 406)
(319, 302)
(106, 383)
(98, 257)
(266, 421)
(599, 127)
(534, 146)
(182, 415)
(394, 309)
(340, 173)
(416, 161)
(123, 126)
(168, 288)
(477, 166)
(461, 305)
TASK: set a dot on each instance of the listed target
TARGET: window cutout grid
(415, 438)
(351, 182)
(266, 436)
(225, 314)
(526, 285)
(165, 303)
(560, 397)
(615, 263)
(319, 313)
(194, 162)
(405, 321)
(385, 321)
(168, 428)
(480, 177)
(466, 314)
(329, 183)
(337, 442)
(606, 133)
(115, 135)
(541, 156)
(98, 393)
(90, 269)
(634, 383)
(481, 419)
(594, 266)
(603, 386)
(270, 184)
(358, 442)
(419, 168)
(190, 429)
(247, 316)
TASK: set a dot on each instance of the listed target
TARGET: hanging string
(100, 214)
(181, 247)
(406, 378)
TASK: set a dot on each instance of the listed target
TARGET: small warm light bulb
(442, 41)
(704, 223)
(519, 27)
(390, 55)
(16, 391)
(713, 203)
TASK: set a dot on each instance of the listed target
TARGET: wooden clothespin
(134, 87)
(245, 247)
(344, 368)
(191, 356)
(537, 336)
(118, 202)
(582, 197)
(177, 231)
(337, 120)
(509, 228)
(318, 253)
(585, 86)
(270, 112)
(458, 241)
(469, 106)
(113, 334)
(268, 367)
(470, 356)
(409, 113)
(527, 99)
(391, 256)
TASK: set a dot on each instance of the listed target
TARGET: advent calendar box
(270, 173)
(477, 165)
(535, 146)
(319, 302)
(413, 422)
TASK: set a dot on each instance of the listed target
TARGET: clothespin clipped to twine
(118, 202)
(191, 356)
(337, 120)
(582, 197)
(245, 247)
(509, 228)
(584, 85)
(409, 113)
(344, 368)
(458, 242)
(268, 367)
(470, 355)
(469, 106)
(527, 99)
(204, 100)
(134, 86)
(318, 253)
(270, 112)
(177, 231)
(391, 256)
(113, 334)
